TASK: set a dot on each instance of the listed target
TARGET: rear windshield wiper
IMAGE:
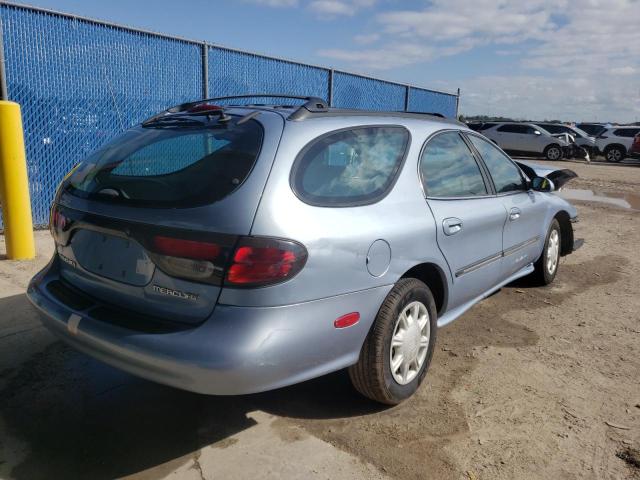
(173, 121)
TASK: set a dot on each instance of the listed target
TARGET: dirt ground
(531, 383)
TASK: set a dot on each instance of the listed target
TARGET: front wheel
(398, 349)
(553, 152)
(546, 267)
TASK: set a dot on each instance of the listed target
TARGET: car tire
(553, 152)
(614, 153)
(407, 316)
(546, 267)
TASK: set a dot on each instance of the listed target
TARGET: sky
(573, 60)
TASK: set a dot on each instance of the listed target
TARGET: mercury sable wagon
(241, 248)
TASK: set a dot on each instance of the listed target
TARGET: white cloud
(366, 39)
(597, 97)
(578, 57)
(333, 8)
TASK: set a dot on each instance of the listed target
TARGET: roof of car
(312, 108)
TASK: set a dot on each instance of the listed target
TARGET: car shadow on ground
(74, 417)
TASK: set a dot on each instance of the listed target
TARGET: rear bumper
(237, 350)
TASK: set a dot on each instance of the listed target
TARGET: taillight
(258, 262)
(205, 107)
(188, 259)
(57, 223)
(178, 247)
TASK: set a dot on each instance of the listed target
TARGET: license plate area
(117, 258)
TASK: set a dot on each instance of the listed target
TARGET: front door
(524, 230)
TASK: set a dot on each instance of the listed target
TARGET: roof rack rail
(433, 114)
(312, 104)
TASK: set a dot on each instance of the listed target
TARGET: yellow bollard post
(14, 185)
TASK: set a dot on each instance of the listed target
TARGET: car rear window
(349, 167)
(170, 165)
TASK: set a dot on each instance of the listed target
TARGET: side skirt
(453, 314)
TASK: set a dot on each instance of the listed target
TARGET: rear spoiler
(559, 176)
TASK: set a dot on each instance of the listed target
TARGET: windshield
(552, 128)
(582, 133)
(181, 164)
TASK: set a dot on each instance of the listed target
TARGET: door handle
(514, 214)
(451, 225)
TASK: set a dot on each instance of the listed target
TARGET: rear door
(524, 230)
(469, 219)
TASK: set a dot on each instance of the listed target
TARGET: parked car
(527, 139)
(634, 151)
(580, 137)
(230, 250)
(615, 142)
(479, 126)
(593, 129)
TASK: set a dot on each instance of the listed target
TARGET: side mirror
(537, 132)
(542, 184)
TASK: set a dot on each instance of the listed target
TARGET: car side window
(505, 174)
(626, 132)
(553, 128)
(508, 128)
(349, 167)
(449, 169)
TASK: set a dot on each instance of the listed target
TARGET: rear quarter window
(349, 167)
(626, 132)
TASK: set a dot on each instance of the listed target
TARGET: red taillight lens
(57, 224)
(189, 259)
(265, 261)
(58, 220)
(177, 247)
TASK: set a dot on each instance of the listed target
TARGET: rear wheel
(553, 152)
(546, 267)
(614, 153)
(398, 349)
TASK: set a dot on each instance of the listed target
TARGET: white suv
(526, 139)
(615, 142)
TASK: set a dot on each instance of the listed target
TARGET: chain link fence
(80, 82)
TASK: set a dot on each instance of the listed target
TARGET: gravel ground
(531, 383)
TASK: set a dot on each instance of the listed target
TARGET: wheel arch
(612, 145)
(566, 232)
(434, 277)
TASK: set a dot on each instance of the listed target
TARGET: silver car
(527, 139)
(580, 137)
(241, 248)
